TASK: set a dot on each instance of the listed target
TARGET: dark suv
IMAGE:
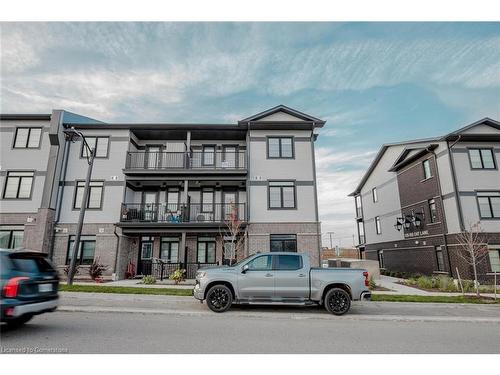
(29, 285)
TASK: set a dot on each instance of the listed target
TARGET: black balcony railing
(179, 213)
(202, 160)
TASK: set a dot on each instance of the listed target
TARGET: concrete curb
(279, 315)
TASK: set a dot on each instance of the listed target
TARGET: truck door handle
(302, 275)
(269, 275)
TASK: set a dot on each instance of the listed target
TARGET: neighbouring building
(160, 191)
(418, 195)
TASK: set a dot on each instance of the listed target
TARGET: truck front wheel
(219, 298)
(337, 301)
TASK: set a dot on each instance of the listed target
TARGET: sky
(373, 83)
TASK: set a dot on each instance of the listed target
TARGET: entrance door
(145, 256)
(257, 283)
(153, 157)
(149, 206)
(229, 201)
(229, 157)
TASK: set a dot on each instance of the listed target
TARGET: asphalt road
(155, 324)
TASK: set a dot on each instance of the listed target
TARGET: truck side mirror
(245, 268)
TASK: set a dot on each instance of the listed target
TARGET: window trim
(428, 160)
(163, 240)
(82, 146)
(203, 154)
(374, 195)
(491, 149)
(214, 241)
(294, 186)
(489, 202)
(28, 138)
(279, 137)
(380, 258)
(207, 190)
(378, 225)
(11, 237)
(439, 249)
(19, 185)
(70, 248)
(431, 219)
(282, 234)
(496, 248)
(74, 208)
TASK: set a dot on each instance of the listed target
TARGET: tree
(472, 249)
(232, 231)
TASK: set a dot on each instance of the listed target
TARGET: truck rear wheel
(219, 298)
(337, 301)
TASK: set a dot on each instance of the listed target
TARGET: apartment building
(417, 196)
(161, 194)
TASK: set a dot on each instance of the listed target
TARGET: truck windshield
(242, 261)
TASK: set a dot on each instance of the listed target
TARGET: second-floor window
(18, 185)
(432, 211)
(280, 147)
(27, 137)
(95, 194)
(100, 144)
(378, 227)
(207, 200)
(374, 195)
(481, 158)
(281, 194)
(427, 169)
(361, 232)
(489, 204)
(359, 210)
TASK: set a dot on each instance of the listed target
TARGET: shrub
(96, 269)
(66, 270)
(178, 276)
(149, 279)
(371, 283)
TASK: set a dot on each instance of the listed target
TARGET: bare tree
(233, 231)
(473, 249)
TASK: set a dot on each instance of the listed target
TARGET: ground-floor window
(380, 255)
(439, 258)
(86, 250)
(11, 238)
(205, 250)
(169, 249)
(494, 254)
(283, 242)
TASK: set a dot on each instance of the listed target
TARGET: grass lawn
(125, 290)
(442, 299)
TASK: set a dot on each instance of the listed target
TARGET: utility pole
(72, 135)
(331, 239)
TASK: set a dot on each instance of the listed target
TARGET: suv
(29, 284)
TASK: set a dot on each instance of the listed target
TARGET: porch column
(182, 248)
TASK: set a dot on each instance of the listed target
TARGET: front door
(229, 157)
(153, 157)
(291, 279)
(257, 283)
(149, 206)
(229, 204)
(145, 256)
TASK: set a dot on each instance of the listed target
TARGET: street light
(73, 135)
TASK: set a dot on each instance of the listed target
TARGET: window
(27, 137)
(172, 199)
(432, 211)
(206, 250)
(86, 250)
(11, 238)
(169, 249)
(359, 210)
(281, 194)
(378, 227)
(262, 263)
(374, 195)
(439, 258)
(100, 144)
(95, 194)
(489, 204)
(361, 232)
(18, 185)
(481, 158)
(288, 262)
(283, 242)
(207, 200)
(380, 255)
(280, 147)
(208, 155)
(494, 254)
(427, 169)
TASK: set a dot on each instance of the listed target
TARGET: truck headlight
(200, 274)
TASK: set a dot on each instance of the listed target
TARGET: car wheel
(337, 301)
(17, 322)
(219, 298)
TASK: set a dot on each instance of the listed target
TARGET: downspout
(455, 185)
(118, 240)
(247, 187)
(445, 240)
(318, 232)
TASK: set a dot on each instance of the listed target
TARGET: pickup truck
(281, 278)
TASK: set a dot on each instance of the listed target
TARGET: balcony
(178, 214)
(186, 162)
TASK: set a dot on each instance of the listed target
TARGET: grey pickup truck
(281, 278)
